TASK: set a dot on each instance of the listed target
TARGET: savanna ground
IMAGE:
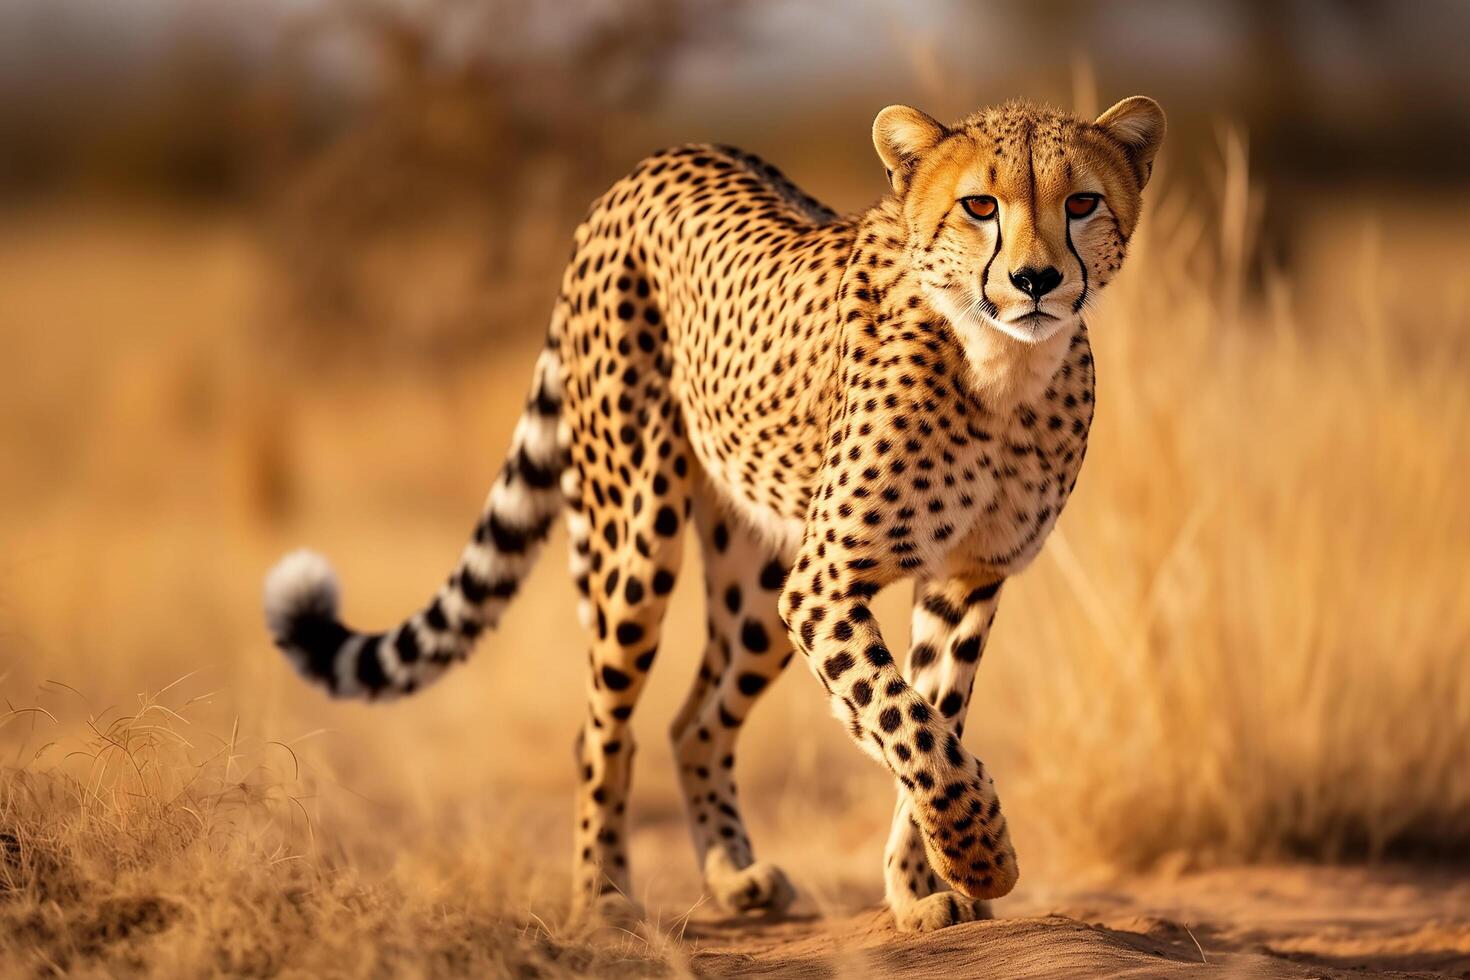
(1228, 708)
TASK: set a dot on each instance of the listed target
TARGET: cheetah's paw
(760, 887)
(940, 911)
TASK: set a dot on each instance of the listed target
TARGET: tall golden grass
(1245, 640)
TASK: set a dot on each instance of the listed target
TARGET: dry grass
(1247, 638)
(149, 846)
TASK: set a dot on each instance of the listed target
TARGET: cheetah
(832, 403)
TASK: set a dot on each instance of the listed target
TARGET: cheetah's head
(1018, 216)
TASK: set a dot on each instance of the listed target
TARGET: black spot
(968, 649)
(732, 598)
(753, 635)
(667, 522)
(751, 684)
(629, 633)
(941, 607)
(952, 703)
(890, 719)
(773, 575)
(546, 404)
(984, 592)
(837, 665)
(663, 582)
(878, 655)
(615, 679)
(862, 693)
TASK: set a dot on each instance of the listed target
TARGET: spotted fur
(834, 403)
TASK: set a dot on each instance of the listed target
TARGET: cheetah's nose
(1036, 283)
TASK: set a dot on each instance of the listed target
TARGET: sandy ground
(1283, 921)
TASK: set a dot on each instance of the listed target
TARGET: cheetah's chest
(1027, 472)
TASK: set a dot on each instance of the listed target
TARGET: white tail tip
(301, 584)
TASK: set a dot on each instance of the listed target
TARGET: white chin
(1032, 330)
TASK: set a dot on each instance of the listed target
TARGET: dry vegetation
(147, 851)
(1246, 640)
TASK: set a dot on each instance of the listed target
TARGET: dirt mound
(1284, 922)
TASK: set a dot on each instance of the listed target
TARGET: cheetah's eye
(981, 206)
(1081, 205)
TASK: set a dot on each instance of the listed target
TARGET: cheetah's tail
(301, 591)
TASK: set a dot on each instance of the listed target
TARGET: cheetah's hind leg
(628, 501)
(747, 649)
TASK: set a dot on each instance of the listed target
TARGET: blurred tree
(486, 127)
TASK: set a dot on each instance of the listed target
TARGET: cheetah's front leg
(951, 622)
(952, 798)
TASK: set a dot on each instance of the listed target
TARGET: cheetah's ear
(1138, 123)
(901, 135)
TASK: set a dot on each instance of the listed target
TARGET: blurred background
(273, 273)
